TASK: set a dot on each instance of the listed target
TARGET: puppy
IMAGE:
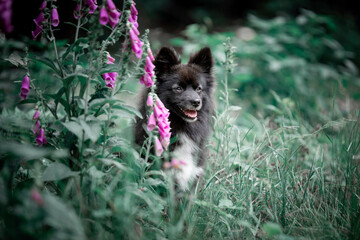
(187, 91)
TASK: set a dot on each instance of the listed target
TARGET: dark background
(173, 15)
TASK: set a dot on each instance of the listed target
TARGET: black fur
(171, 76)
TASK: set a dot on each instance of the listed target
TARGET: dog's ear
(165, 59)
(203, 58)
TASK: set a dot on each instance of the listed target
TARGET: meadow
(283, 156)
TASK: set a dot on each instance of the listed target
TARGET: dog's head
(185, 89)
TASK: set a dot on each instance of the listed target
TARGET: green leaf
(75, 128)
(109, 68)
(15, 59)
(71, 47)
(64, 222)
(57, 171)
(128, 109)
(48, 62)
(91, 131)
(28, 100)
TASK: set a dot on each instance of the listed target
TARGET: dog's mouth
(188, 115)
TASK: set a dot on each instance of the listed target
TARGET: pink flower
(151, 123)
(92, 6)
(111, 5)
(36, 32)
(150, 101)
(103, 16)
(149, 67)
(167, 165)
(150, 54)
(133, 10)
(36, 115)
(175, 163)
(54, 17)
(43, 5)
(110, 78)
(36, 127)
(40, 140)
(39, 20)
(77, 12)
(25, 85)
(158, 148)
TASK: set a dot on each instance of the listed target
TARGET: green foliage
(273, 172)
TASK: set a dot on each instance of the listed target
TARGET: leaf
(15, 59)
(129, 109)
(109, 68)
(57, 171)
(92, 131)
(28, 100)
(74, 127)
(62, 219)
(225, 203)
(272, 229)
(47, 62)
(154, 182)
(70, 48)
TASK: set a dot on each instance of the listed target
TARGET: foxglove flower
(5, 15)
(36, 127)
(151, 123)
(158, 147)
(77, 12)
(110, 77)
(150, 101)
(54, 17)
(39, 20)
(41, 139)
(36, 115)
(43, 5)
(103, 16)
(25, 85)
(92, 6)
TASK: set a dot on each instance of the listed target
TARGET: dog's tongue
(190, 113)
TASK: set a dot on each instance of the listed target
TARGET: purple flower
(150, 101)
(151, 123)
(36, 127)
(110, 77)
(133, 10)
(111, 5)
(54, 17)
(36, 115)
(92, 6)
(5, 15)
(25, 85)
(43, 5)
(39, 20)
(158, 147)
(41, 139)
(103, 16)
(150, 54)
(77, 12)
(36, 32)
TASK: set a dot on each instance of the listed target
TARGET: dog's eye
(178, 89)
(199, 89)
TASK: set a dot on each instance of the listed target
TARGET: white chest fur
(188, 170)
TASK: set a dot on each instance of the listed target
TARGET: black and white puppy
(187, 91)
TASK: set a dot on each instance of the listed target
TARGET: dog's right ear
(165, 59)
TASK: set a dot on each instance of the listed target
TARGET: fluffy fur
(187, 91)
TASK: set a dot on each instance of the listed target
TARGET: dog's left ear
(203, 58)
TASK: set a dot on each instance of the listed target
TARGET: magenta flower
(92, 6)
(150, 101)
(151, 123)
(36, 32)
(6, 15)
(133, 10)
(77, 12)
(25, 85)
(158, 147)
(39, 20)
(103, 16)
(43, 5)
(110, 77)
(41, 139)
(150, 54)
(36, 127)
(149, 67)
(110, 4)
(36, 115)
(54, 17)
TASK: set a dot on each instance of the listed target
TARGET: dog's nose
(195, 102)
